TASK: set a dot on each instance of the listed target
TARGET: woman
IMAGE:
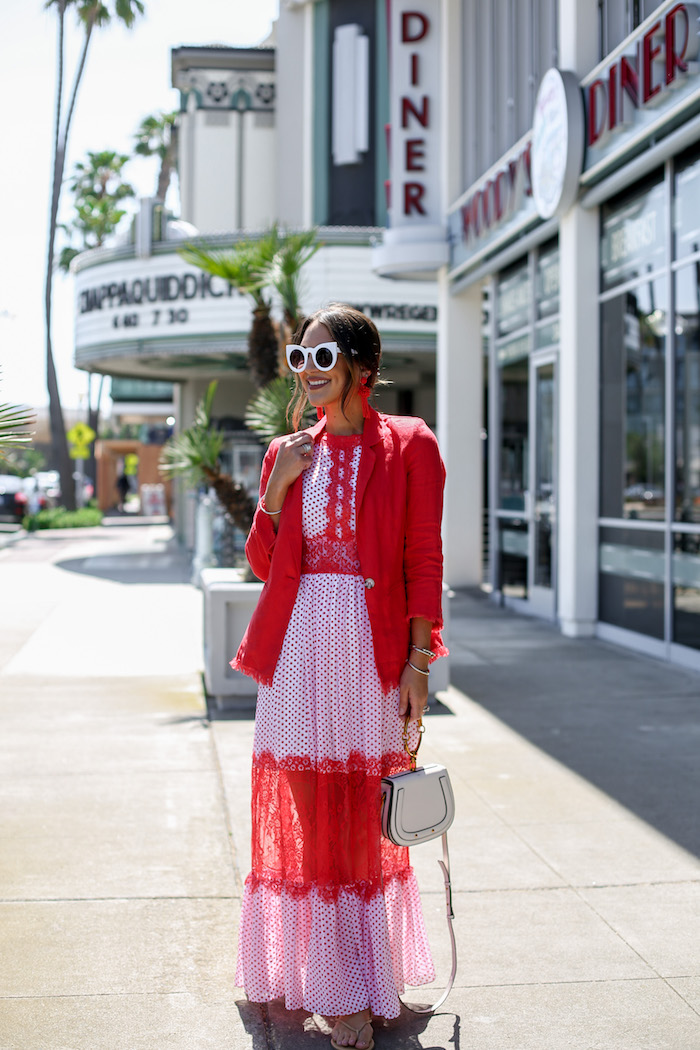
(347, 538)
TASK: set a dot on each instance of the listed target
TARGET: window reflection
(632, 403)
(686, 589)
(632, 241)
(687, 395)
(686, 212)
(631, 580)
(513, 473)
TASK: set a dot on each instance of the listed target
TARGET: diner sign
(496, 207)
(651, 75)
(414, 192)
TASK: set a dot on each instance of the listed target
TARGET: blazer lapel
(371, 435)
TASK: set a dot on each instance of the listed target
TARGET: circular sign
(557, 143)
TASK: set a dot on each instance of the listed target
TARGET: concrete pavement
(124, 826)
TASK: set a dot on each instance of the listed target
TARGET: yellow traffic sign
(79, 452)
(80, 434)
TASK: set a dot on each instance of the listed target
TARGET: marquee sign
(165, 302)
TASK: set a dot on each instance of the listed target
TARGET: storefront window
(547, 281)
(512, 548)
(687, 397)
(513, 473)
(513, 299)
(633, 237)
(633, 350)
(631, 580)
(686, 589)
(686, 212)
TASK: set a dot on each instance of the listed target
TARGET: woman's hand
(293, 458)
(413, 695)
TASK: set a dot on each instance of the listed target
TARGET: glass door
(542, 501)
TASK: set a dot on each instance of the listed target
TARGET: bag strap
(445, 865)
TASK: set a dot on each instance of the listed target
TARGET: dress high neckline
(342, 439)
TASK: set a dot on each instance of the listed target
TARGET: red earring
(319, 413)
(365, 393)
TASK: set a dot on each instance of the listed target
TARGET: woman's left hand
(413, 694)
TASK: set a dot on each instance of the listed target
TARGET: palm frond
(239, 266)
(14, 421)
(196, 450)
(266, 412)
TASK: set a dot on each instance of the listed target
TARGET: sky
(127, 77)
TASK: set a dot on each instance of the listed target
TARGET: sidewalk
(124, 826)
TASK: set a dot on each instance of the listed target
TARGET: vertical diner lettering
(415, 114)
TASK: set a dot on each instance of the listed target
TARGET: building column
(459, 419)
(577, 568)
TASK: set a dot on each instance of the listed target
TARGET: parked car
(19, 496)
(49, 482)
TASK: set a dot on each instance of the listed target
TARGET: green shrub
(60, 518)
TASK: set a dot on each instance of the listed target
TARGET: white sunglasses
(324, 356)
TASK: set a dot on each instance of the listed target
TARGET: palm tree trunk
(58, 430)
(57, 423)
(263, 348)
(233, 497)
(167, 166)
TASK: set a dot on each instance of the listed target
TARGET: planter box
(228, 606)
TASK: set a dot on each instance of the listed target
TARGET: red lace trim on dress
(356, 762)
(365, 891)
(334, 549)
(325, 554)
(317, 824)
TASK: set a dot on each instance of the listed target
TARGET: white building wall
(294, 80)
(215, 171)
(259, 167)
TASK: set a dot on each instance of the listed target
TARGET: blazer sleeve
(262, 536)
(425, 483)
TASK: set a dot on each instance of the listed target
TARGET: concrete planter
(228, 606)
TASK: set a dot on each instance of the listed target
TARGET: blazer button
(369, 583)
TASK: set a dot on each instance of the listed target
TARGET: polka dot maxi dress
(331, 916)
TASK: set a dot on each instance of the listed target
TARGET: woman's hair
(351, 330)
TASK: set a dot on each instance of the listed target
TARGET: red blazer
(398, 511)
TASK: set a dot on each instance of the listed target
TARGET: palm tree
(98, 189)
(245, 267)
(284, 272)
(91, 14)
(14, 421)
(157, 137)
(194, 455)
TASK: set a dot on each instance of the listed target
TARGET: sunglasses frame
(311, 351)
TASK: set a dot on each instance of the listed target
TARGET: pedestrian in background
(346, 536)
(123, 488)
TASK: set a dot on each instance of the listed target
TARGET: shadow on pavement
(627, 723)
(171, 566)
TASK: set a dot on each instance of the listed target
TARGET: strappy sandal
(338, 1046)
